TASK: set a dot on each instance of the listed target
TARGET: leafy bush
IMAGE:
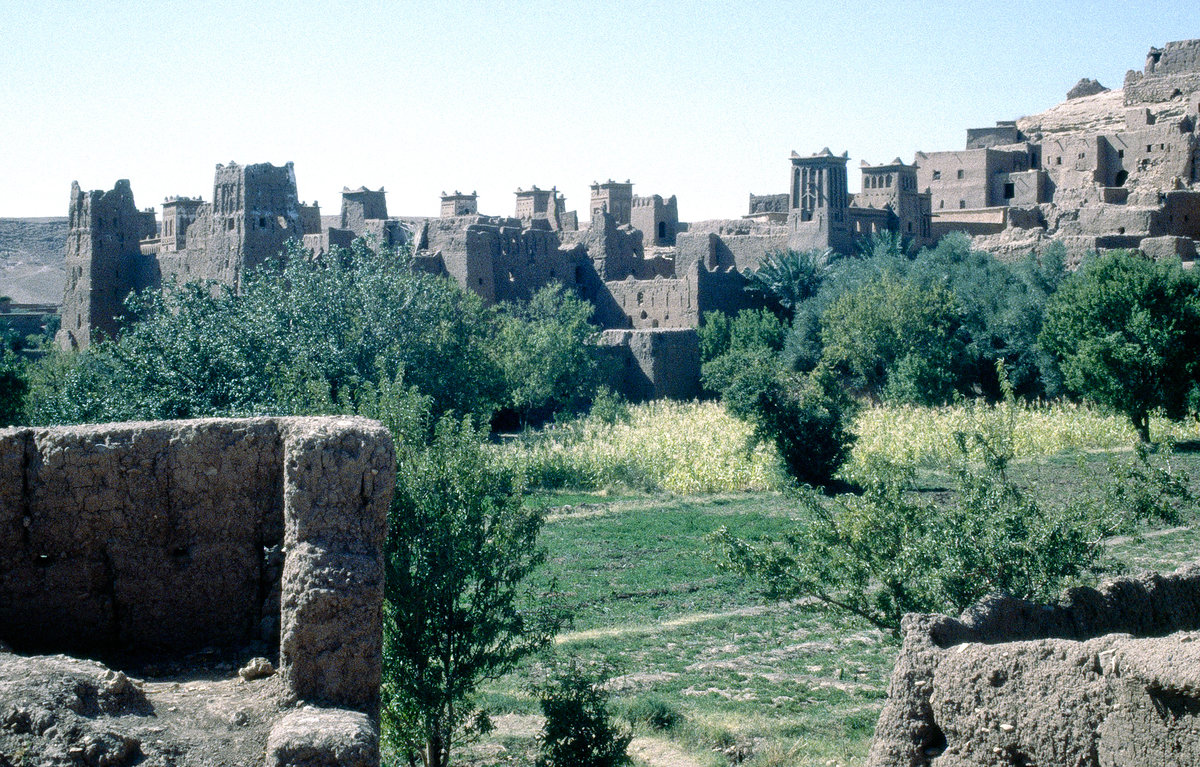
(807, 417)
(1126, 334)
(579, 731)
(887, 552)
(609, 407)
(653, 712)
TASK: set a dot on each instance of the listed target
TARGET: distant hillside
(32, 256)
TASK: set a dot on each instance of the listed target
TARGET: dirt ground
(56, 710)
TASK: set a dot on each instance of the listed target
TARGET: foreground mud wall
(172, 536)
(1106, 677)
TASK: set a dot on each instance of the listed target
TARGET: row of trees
(932, 327)
(319, 336)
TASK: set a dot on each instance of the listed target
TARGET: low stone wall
(1107, 676)
(172, 536)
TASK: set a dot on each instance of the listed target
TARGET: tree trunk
(1141, 422)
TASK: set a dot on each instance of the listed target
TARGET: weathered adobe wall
(652, 364)
(720, 247)
(175, 535)
(1169, 72)
(1107, 676)
(657, 303)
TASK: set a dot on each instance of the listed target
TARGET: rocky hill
(32, 259)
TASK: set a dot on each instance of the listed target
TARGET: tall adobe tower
(255, 212)
(104, 261)
(819, 202)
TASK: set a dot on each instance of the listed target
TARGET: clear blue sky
(700, 100)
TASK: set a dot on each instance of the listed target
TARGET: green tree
(896, 337)
(1001, 307)
(14, 384)
(1126, 333)
(733, 348)
(546, 351)
(459, 608)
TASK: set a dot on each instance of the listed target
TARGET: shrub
(579, 731)
(653, 712)
(807, 417)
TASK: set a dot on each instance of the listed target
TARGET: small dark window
(1120, 153)
(1009, 191)
(937, 174)
(941, 203)
(262, 222)
(1058, 160)
(1149, 147)
(910, 226)
(961, 174)
(962, 203)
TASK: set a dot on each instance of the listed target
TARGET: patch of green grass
(773, 684)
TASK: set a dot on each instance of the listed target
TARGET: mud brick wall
(177, 535)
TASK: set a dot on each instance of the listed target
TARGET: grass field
(746, 681)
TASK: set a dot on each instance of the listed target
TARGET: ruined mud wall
(176, 535)
(652, 364)
(1107, 676)
(1170, 71)
(656, 303)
